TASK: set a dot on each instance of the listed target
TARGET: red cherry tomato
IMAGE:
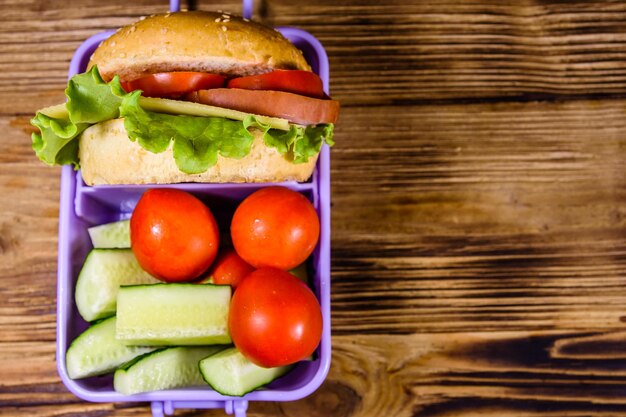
(174, 84)
(173, 235)
(275, 227)
(305, 83)
(229, 268)
(274, 318)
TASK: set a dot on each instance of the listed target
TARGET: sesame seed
(245, 19)
(218, 20)
(224, 28)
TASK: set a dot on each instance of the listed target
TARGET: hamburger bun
(107, 156)
(216, 43)
(199, 41)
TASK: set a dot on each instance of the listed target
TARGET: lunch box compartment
(82, 206)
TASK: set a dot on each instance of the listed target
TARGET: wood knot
(8, 239)
(333, 398)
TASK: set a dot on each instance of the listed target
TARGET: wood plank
(424, 374)
(38, 40)
(538, 205)
(478, 206)
(396, 53)
(499, 217)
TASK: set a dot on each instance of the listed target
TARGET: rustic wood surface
(479, 205)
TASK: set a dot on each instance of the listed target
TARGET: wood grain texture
(478, 206)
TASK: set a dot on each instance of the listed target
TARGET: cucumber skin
(87, 345)
(96, 290)
(230, 373)
(145, 317)
(149, 372)
(115, 235)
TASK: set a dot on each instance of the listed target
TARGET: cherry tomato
(275, 227)
(173, 84)
(305, 83)
(293, 107)
(173, 235)
(229, 268)
(274, 318)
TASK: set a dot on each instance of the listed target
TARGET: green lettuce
(55, 144)
(196, 141)
(91, 100)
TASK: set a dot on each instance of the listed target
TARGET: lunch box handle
(232, 407)
(247, 7)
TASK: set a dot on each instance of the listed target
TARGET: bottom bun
(108, 156)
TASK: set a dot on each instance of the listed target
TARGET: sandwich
(190, 97)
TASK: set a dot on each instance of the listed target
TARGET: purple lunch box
(82, 206)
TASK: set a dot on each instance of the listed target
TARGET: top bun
(216, 43)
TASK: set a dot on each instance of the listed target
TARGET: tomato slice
(305, 83)
(174, 84)
(293, 107)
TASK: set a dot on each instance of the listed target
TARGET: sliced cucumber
(173, 314)
(162, 369)
(205, 280)
(111, 235)
(96, 352)
(100, 279)
(230, 373)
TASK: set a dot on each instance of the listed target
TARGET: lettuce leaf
(91, 100)
(196, 141)
(55, 144)
(300, 142)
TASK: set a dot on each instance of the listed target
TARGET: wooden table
(479, 217)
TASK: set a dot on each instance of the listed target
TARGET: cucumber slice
(205, 280)
(173, 314)
(100, 279)
(111, 235)
(162, 369)
(230, 373)
(96, 352)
